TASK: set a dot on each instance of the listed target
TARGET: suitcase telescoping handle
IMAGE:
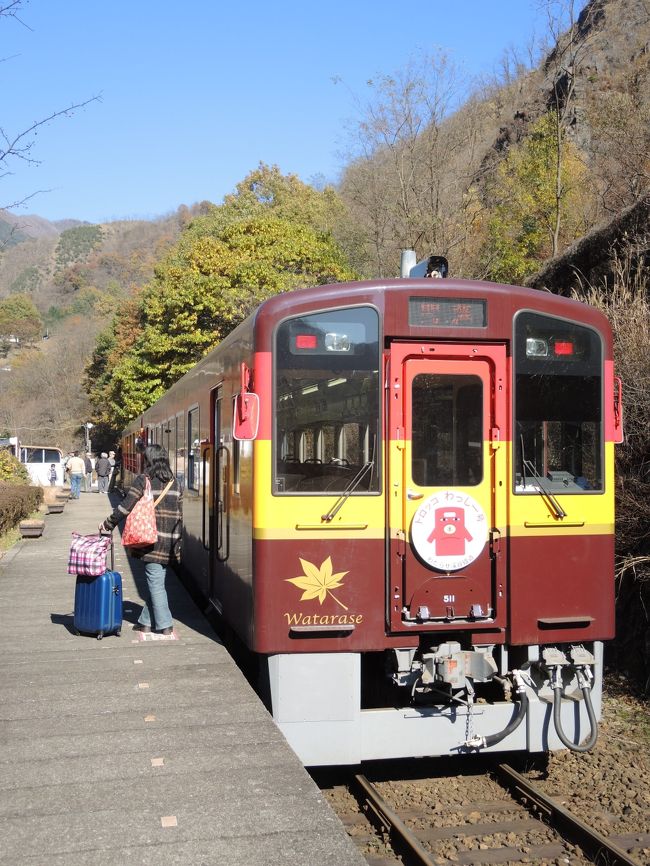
(103, 533)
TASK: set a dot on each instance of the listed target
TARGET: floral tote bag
(140, 527)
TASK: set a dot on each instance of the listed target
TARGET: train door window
(447, 436)
(193, 449)
(327, 399)
(558, 431)
(221, 505)
(180, 449)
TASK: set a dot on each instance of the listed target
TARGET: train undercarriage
(341, 708)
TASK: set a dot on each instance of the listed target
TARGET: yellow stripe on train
(296, 516)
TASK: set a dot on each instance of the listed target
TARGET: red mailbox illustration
(449, 532)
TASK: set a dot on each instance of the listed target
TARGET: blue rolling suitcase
(98, 603)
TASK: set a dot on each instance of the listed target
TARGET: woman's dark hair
(156, 463)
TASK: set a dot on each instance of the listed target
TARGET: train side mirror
(246, 416)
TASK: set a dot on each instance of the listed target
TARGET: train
(399, 497)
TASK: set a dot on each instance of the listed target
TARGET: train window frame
(556, 487)
(193, 462)
(305, 431)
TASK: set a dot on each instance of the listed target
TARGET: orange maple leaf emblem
(318, 582)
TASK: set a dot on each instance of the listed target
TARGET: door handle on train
(495, 543)
(414, 494)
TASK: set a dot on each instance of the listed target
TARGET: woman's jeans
(157, 602)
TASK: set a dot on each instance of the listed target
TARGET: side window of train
(193, 449)
(558, 431)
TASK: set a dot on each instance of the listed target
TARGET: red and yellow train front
(424, 501)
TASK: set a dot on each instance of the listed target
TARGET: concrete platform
(124, 751)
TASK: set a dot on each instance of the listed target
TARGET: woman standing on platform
(169, 523)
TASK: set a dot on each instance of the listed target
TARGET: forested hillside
(532, 160)
(60, 285)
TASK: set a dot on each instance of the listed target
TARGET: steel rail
(597, 847)
(391, 822)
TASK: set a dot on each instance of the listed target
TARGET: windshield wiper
(352, 486)
(544, 491)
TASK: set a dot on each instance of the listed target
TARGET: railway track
(500, 818)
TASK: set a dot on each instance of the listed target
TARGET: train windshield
(327, 402)
(558, 431)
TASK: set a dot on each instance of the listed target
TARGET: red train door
(447, 485)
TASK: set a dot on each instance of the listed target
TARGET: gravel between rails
(609, 788)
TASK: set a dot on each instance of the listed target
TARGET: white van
(38, 461)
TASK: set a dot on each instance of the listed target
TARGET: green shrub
(12, 470)
(16, 503)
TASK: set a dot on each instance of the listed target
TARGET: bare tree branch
(18, 145)
(11, 10)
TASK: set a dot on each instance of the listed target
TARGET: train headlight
(536, 348)
(337, 342)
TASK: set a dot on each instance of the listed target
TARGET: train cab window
(447, 430)
(193, 449)
(558, 431)
(327, 402)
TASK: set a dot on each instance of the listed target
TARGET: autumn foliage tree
(20, 320)
(266, 239)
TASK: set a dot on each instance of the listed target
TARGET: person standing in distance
(169, 524)
(77, 469)
(88, 475)
(103, 470)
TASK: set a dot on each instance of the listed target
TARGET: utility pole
(88, 426)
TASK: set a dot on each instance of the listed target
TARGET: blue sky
(194, 96)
